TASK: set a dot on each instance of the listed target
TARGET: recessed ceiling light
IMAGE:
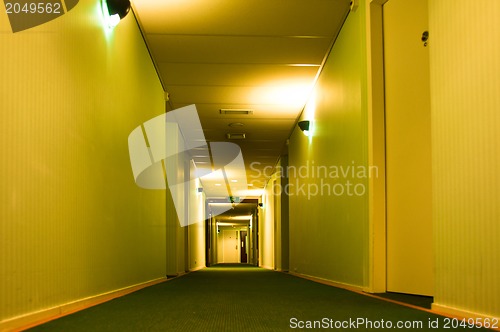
(234, 180)
(236, 124)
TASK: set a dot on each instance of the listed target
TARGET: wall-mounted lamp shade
(304, 126)
(114, 11)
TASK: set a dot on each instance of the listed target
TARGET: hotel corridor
(347, 151)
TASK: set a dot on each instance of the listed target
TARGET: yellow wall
(179, 206)
(73, 223)
(329, 229)
(214, 245)
(276, 218)
(220, 245)
(196, 223)
(274, 233)
(267, 226)
(465, 106)
(253, 254)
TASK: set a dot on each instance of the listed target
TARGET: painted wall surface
(328, 173)
(177, 260)
(465, 104)
(196, 223)
(284, 232)
(220, 246)
(73, 224)
(274, 233)
(214, 245)
(278, 245)
(254, 243)
(173, 228)
(267, 224)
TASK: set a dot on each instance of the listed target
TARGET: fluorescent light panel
(228, 111)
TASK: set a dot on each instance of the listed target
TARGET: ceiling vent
(227, 111)
(236, 135)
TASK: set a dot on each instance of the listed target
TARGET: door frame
(377, 275)
(245, 243)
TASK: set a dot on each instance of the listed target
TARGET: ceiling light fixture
(304, 126)
(114, 11)
(236, 135)
(235, 111)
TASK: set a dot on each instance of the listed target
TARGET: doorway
(230, 246)
(243, 247)
(410, 256)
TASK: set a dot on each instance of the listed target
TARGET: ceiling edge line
(142, 32)
(224, 85)
(281, 64)
(242, 36)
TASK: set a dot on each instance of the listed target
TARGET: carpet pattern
(243, 298)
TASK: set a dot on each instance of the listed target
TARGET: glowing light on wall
(113, 11)
(308, 116)
(304, 125)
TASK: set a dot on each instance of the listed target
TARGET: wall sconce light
(304, 126)
(114, 11)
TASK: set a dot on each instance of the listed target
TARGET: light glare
(110, 21)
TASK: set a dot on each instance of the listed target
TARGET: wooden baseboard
(328, 282)
(32, 319)
(267, 267)
(197, 268)
(436, 308)
(463, 314)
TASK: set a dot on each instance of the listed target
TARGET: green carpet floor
(242, 298)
